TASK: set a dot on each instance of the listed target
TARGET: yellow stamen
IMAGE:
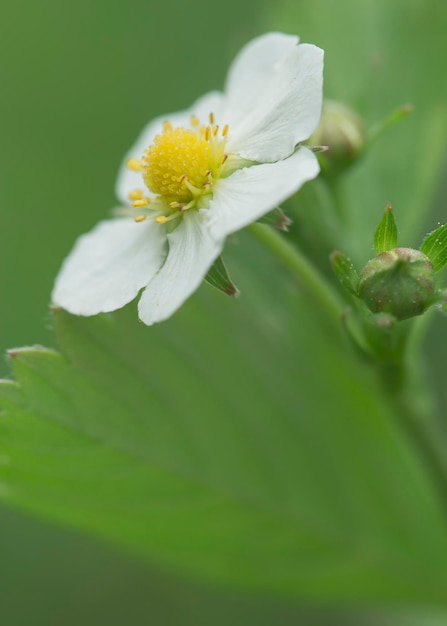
(140, 204)
(181, 165)
(162, 219)
(134, 164)
(225, 130)
(136, 194)
(140, 218)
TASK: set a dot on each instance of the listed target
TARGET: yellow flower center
(180, 168)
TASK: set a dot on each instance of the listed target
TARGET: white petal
(249, 193)
(129, 180)
(109, 265)
(274, 97)
(192, 251)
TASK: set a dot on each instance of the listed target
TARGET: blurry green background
(79, 80)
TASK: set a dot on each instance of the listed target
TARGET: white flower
(192, 180)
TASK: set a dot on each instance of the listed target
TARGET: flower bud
(400, 282)
(342, 131)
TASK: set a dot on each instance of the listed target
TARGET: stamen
(140, 218)
(180, 166)
(134, 164)
(136, 194)
(140, 204)
(162, 219)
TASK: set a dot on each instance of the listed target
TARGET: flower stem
(311, 281)
(423, 429)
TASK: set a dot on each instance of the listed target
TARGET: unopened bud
(400, 282)
(342, 130)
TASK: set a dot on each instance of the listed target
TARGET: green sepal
(345, 272)
(219, 278)
(435, 247)
(385, 237)
(278, 219)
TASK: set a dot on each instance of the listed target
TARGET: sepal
(345, 272)
(278, 219)
(385, 237)
(219, 278)
(435, 247)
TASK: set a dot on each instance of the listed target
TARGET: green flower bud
(342, 131)
(400, 282)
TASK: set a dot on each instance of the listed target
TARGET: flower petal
(249, 193)
(109, 265)
(192, 251)
(274, 97)
(129, 180)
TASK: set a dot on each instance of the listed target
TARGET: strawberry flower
(194, 177)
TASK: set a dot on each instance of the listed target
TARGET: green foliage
(435, 247)
(207, 444)
(385, 237)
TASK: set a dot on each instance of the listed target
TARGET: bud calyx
(400, 282)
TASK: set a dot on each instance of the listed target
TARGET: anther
(162, 219)
(215, 131)
(136, 194)
(167, 125)
(211, 118)
(225, 130)
(194, 121)
(224, 158)
(140, 204)
(140, 218)
(207, 133)
(134, 165)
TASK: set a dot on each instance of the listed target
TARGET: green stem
(425, 433)
(311, 281)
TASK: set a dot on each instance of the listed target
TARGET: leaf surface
(239, 444)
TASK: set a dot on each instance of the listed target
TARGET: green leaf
(385, 237)
(206, 444)
(345, 272)
(435, 247)
(219, 278)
